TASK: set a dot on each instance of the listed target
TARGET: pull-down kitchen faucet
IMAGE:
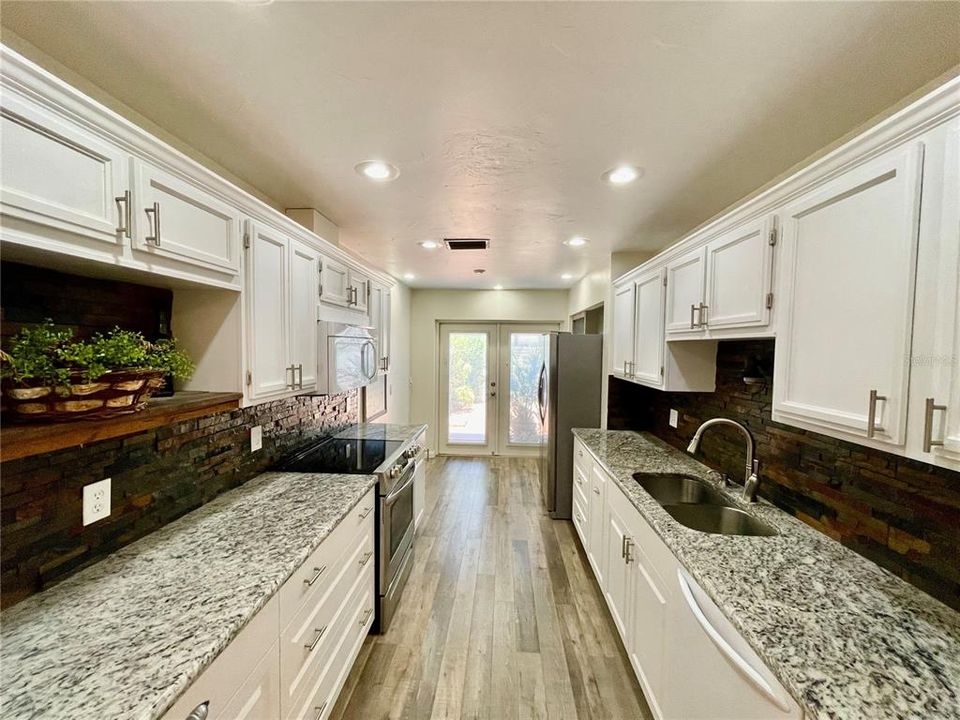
(751, 479)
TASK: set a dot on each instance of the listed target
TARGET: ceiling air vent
(466, 243)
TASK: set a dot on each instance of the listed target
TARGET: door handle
(930, 408)
(872, 412)
(154, 215)
(702, 318)
(124, 206)
(693, 325)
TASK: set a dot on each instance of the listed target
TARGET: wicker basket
(114, 393)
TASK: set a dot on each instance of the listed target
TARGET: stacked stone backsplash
(157, 476)
(902, 514)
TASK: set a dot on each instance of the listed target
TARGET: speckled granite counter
(846, 638)
(124, 638)
(382, 431)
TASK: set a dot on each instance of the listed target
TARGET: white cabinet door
(380, 322)
(648, 616)
(335, 283)
(267, 309)
(419, 490)
(304, 278)
(360, 285)
(623, 328)
(259, 696)
(648, 340)
(738, 276)
(615, 589)
(849, 261)
(56, 174)
(596, 549)
(686, 313)
(177, 219)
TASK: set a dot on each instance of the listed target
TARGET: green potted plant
(48, 374)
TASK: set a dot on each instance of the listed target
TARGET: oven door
(396, 529)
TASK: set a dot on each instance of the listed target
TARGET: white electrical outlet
(256, 438)
(674, 418)
(96, 501)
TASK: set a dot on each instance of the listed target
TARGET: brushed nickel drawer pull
(623, 546)
(702, 318)
(311, 645)
(200, 712)
(154, 215)
(123, 207)
(627, 556)
(929, 410)
(365, 559)
(366, 616)
(596, 490)
(319, 571)
(320, 709)
(365, 512)
(693, 309)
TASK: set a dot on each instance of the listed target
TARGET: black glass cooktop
(342, 455)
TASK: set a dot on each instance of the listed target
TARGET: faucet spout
(751, 479)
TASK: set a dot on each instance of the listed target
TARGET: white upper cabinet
(177, 219)
(849, 263)
(335, 283)
(739, 268)
(56, 174)
(304, 290)
(648, 338)
(267, 291)
(686, 313)
(380, 322)
(623, 328)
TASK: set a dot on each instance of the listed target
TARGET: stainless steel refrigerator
(569, 393)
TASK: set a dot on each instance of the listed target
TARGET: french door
(489, 376)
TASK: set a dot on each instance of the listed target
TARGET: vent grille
(466, 243)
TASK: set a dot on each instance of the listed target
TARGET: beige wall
(429, 307)
(398, 380)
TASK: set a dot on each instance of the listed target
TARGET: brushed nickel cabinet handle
(124, 206)
(154, 215)
(310, 646)
(365, 512)
(702, 317)
(623, 546)
(626, 550)
(930, 408)
(320, 710)
(693, 309)
(299, 376)
(200, 712)
(318, 572)
(365, 559)
(872, 412)
(366, 616)
(596, 491)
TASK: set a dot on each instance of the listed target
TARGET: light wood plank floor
(501, 617)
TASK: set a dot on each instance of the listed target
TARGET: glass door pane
(527, 355)
(467, 381)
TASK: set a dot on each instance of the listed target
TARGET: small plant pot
(117, 392)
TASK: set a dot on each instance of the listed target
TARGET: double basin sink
(700, 506)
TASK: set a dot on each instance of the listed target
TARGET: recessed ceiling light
(621, 175)
(377, 170)
(429, 245)
(576, 241)
(566, 276)
(498, 287)
(409, 276)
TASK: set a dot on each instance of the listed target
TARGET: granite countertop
(125, 637)
(845, 637)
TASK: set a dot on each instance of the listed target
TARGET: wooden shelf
(19, 441)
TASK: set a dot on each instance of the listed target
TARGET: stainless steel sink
(673, 489)
(718, 519)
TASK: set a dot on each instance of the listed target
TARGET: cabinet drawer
(220, 682)
(307, 583)
(581, 486)
(308, 640)
(349, 629)
(580, 521)
(259, 696)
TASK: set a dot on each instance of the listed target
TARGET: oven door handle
(392, 497)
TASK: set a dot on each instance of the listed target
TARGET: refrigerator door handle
(541, 394)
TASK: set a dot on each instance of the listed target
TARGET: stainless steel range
(395, 464)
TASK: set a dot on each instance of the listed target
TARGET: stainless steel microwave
(347, 357)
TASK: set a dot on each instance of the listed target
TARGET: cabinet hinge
(249, 378)
(769, 300)
(246, 241)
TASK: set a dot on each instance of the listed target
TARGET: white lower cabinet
(313, 629)
(420, 487)
(690, 661)
(597, 521)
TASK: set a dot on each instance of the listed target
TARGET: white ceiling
(502, 116)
